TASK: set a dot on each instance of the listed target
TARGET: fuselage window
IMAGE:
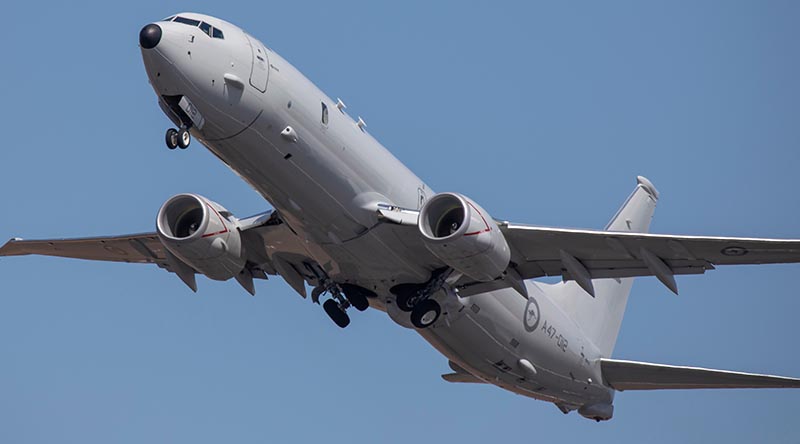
(324, 114)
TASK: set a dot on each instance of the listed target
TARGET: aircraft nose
(149, 36)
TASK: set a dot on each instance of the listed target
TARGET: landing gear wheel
(358, 300)
(425, 313)
(406, 296)
(357, 296)
(184, 138)
(171, 138)
(337, 315)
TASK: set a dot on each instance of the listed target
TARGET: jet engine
(463, 235)
(202, 234)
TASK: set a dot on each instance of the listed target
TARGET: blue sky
(544, 112)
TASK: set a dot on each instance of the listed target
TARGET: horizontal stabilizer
(632, 375)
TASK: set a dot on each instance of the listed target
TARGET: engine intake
(463, 235)
(202, 234)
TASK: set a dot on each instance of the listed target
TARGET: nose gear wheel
(178, 138)
(184, 138)
(171, 138)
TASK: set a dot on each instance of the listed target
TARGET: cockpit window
(168, 19)
(187, 21)
(205, 27)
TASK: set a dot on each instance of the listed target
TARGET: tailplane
(632, 375)
(600, 317)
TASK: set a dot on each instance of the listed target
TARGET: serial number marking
(561, 342)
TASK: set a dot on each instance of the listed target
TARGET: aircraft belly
(324, 185)
(489, 340)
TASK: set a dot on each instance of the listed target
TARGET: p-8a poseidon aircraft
(354, 224)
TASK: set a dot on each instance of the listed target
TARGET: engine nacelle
(202, 234)
(463, 235)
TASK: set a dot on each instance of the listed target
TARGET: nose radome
(149, 36)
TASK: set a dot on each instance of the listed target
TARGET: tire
(406, 296)
(426, 313)
(358, 296)
(337, 315)
(184, 138)
(171, 138)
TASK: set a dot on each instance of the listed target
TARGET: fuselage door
(260, 69)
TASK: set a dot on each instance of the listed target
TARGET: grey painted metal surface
(347, 220)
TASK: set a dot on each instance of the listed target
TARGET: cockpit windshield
(186, 21)
(205, 27)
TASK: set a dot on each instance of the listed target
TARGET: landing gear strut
(178, 138)
(343, 297)
(415, 298)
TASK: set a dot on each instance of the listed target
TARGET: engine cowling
(203, 234)
(463, 235)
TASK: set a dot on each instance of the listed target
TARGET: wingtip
(8, 244)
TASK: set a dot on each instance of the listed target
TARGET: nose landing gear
(178, 138)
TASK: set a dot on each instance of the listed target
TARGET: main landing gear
(415, 298)
(343, 296)
(178, 138)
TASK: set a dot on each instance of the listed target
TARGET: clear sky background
(544, 112)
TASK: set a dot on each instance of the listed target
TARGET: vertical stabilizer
(600, 317)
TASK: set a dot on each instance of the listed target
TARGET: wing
(539, 251)
(632, 375)
(271, 248)
(133, 248)
(624, 249)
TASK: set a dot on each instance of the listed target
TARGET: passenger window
(324, 113)
(218, 34)
(206, 28)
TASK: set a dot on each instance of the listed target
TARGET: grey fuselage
(326, 180)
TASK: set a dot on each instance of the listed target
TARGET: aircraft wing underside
(132, 248)
(271, 249)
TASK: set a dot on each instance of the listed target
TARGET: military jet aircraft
(352, 223)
